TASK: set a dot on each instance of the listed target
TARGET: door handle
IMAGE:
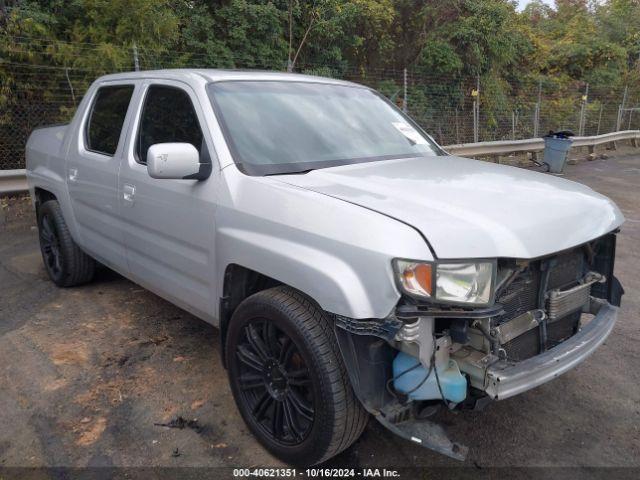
(73, 174)
(128, 192)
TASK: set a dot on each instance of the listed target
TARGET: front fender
(331, 281)
(337, 253)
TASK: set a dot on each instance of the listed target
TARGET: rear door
(170, 226)
(92, 172)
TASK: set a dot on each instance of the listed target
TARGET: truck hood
(469, 208)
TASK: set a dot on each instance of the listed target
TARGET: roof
(215, 75)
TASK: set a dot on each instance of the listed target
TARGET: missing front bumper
(368, 360)
(504, 379)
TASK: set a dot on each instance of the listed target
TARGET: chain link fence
(453, 109)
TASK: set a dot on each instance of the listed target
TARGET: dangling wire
(444, 400)
(393, 379)
(426, 377)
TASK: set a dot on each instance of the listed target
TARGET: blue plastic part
(452, 382)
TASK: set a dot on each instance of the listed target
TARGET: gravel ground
(88, 373)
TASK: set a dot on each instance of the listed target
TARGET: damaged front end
(546, 316)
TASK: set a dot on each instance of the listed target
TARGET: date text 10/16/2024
(316, 473)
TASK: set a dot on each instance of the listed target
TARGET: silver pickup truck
(352, 266)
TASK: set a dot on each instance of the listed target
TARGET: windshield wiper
(295, 172)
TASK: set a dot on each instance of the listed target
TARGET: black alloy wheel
(288, 377)
(275, 382)
(50, 245)
(66, 264)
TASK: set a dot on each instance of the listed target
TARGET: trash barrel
(556, 149)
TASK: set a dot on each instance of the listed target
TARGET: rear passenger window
(107, 117)
(168, 116)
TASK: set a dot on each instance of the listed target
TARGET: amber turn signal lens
(418, 278)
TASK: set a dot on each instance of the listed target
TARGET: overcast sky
(523, 3)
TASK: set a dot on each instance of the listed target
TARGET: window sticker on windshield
(411, 133)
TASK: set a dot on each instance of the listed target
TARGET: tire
(65, 263)
(288, 378)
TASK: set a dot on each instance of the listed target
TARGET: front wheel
(288, 378)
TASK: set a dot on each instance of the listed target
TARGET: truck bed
(44, 148)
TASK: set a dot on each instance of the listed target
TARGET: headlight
(469, 283)
(464, 282)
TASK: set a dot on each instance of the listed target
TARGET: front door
(169, 232)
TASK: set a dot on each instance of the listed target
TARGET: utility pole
(136, 61)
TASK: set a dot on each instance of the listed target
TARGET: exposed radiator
(567, 293)
(563, 302)
(520, 296)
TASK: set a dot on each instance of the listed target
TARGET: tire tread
(79, 268)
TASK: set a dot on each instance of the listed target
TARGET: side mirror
(180, 161)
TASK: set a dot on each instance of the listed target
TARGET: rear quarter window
(107, 117)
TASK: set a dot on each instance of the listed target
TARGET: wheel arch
(239, 283)
(44, 188)
(41, 196)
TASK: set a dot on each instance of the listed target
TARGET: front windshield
(275, 127)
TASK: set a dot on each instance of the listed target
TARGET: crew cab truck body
(352, 266)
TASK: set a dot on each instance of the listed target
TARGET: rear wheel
(288, 378)
(66, 264)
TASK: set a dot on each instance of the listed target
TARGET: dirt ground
(88, 373)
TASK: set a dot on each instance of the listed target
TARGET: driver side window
(167, 116)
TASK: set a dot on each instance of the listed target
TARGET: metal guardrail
(14, 181)
(537, 144)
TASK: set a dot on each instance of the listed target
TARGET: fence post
(73, 95)
(404, 97)
(513, 125)
(600, 118)
(536, 113)
(619, 118)
(621, 109)
(136, 62)
(583, 111)
(475, 129)
(476, 111)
